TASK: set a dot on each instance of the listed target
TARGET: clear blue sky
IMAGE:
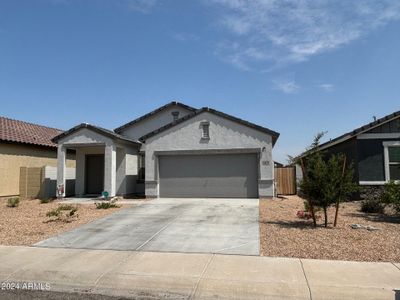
(296, 67)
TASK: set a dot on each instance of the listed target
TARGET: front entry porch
(96, 167)
(105, 162)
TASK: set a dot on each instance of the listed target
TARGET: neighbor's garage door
(199, 176)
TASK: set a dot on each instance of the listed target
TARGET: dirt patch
(26, 224)
(282, 233)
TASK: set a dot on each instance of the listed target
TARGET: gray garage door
(199, 176)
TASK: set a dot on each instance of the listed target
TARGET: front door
(94, 174)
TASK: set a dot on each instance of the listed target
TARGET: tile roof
(27, 133)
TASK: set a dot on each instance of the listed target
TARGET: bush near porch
(283, 233)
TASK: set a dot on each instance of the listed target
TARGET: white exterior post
(110, 162)
(61, 168)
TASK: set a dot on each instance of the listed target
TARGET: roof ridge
(153, 112)
(99, 129)
(274, 134)
(360, 129)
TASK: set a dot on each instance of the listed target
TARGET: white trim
(386, 146)
(367, 136)
(372, 182)
(391, 143)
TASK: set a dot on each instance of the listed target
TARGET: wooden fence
(285, 180)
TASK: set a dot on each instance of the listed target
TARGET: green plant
(391, 195)
(13, 202)
(372, 206)
(105, 205)
(66, 207)
(72, 211)
(53, 213)
(63, 212)
(325, 181)
(46, 200)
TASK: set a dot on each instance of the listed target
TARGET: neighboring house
(24, 144)
(374, 150)
(173, 151)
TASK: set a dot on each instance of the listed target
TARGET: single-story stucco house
(173, 151)
(24, 144)
(374, 150)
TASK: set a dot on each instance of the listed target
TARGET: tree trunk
(309, 201)
(338, 200)
(326, 216)
(313, 213)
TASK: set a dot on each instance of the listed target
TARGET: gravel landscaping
(282, 233)
(28, 224)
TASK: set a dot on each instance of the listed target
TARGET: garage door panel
(209, 176)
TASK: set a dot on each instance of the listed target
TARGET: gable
(85, 136)
(388, 127)
(153, 122)
(224, 133)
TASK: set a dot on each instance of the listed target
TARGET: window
(392, 160)
(394, 163)
(141, 169)
(205, 130)
(175, 115)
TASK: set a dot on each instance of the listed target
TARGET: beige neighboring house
(24, 144)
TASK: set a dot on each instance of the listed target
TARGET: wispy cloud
(286, 86)
(327, 87)
(184, 36)
(143, 6)
(277, 32)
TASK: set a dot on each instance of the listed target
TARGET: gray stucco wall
(120, 173)
(225, 135)
(154, 122)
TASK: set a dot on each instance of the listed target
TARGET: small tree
(326, 182)
(391, 195)
(313, 169)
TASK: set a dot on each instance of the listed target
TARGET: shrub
(391, 195)
(63, 213)
(53, 213)
(13, 202)
(372, 206)
(46, 200)
(72, 211)
(66, 207)
(105, 205)
(327, 180)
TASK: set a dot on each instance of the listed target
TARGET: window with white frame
(392, 160)
(394, 163)
(205, 130)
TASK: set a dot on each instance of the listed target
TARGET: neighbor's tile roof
(27, 133)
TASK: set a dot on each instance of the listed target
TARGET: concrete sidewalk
(154, 275)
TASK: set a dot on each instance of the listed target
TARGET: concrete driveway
(228, 226)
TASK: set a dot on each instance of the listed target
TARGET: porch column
(110, 163)
(61, 157)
